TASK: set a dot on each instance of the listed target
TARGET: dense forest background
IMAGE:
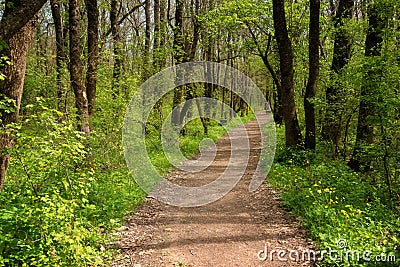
(329, 69)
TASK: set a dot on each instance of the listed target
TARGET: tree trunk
(116, 43)
(93, 53)
(156, 41)
(147, 36)
(313, 55)
(163, 33)
(60, 53)
(365, 130)
(12, 86)
(75, 68)
(178, 53)
(292, 129)
(179, 58)
(189, 53)
(278, 110)
(18, 14)
(341, 54)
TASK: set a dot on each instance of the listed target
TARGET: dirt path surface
(228, 232)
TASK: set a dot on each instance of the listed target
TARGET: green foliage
(56, 210)
(336, 203)
(3, 61)
(66, 192)
(7, 105)
(45, 193)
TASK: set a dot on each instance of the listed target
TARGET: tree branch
(126, 16)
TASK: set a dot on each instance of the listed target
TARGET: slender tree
(332, 127)
(116, 39)
(311, 88)
(163, 33)
(264, 55)
(189, 55)
(60, 53)
(157, 37)
(75, 67)
(365, 129)
(292, 129)
(93, 53)
(179, 56)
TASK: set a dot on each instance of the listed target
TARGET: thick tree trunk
(365, 130)
(12, 87)
(18, 14)
(293, 133)
(60, 54)
(332, 129)
(75, 68)
(93, 53)
(311, 88)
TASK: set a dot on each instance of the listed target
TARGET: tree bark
(292, 129)
(75, 68)
(156, 41)
(278, 110)
(365, 130)
(179, 55)
(147, 36)
(60, 53)
(163, 33)
(311, 88)
(341, 54)
(18, 15)
(12, 86)
(116, 43)
(93, 53)
(189, 53)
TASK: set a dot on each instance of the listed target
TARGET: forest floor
(228, 232)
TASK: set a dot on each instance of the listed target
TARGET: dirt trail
(228, 232)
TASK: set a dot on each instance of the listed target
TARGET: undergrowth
(65, 193)
(341, 209)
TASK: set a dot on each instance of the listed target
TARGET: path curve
(228, 232)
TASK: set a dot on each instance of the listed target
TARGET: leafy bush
(40, 222)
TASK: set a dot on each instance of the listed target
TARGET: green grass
(335, 204)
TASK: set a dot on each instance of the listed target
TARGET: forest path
(228, 232)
